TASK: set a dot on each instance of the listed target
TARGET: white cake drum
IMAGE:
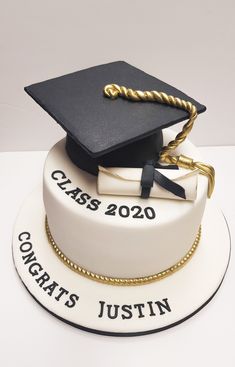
(118, 310)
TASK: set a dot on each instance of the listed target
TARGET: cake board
(118, 310)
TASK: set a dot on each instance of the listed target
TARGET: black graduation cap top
(104, 131)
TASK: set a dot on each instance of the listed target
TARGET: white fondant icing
(118, 245)
(186, 291)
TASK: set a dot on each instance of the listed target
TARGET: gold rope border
(121, 281)
(114, 90)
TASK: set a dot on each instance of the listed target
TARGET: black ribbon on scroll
(150, 174)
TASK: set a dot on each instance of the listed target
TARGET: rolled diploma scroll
(127, 182)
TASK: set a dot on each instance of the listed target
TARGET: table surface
(30, 336)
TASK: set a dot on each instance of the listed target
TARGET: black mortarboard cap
(101, 131)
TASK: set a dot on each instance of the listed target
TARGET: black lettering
(51, 287)
(138, 213)
(83, 198)
(23, 234)
(149, 212)
(162, 306)
(73, 298)
(55, 174)
(35, 272)
(150, 303)
(127, 309)
(29, 258)
(73, 193)
(62, 292)
(26, 246)
(94, 204)
(115, 314)
(43, 279)
(101, 308)
(63, 183)
(111, 209)
(139, 306)
(124, 211)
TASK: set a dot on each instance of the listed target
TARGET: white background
(189, 44)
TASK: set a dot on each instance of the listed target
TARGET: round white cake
(118, 236)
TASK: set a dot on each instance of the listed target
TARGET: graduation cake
(122, 209)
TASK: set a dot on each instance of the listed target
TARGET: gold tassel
(113, 91)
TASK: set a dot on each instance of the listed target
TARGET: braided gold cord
(113, 91)
(121, 281)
